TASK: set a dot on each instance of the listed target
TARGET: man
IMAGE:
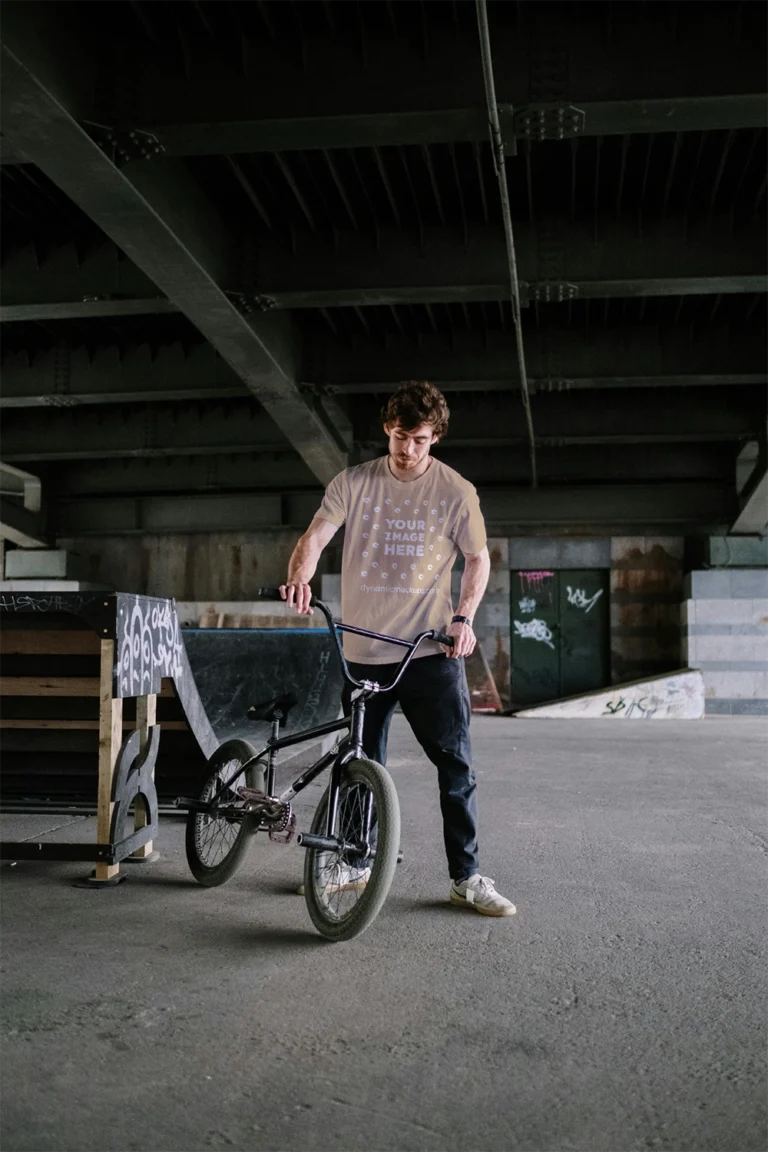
(406, 515)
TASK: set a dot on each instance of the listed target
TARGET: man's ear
(388, 430)
(435, 439)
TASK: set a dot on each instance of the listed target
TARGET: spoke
(330, 868)
(216, 835)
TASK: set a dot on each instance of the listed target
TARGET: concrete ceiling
(229, 230)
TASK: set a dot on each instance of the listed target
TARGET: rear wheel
(216, 845)
(345, 892)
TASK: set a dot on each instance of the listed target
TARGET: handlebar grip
(268, 594)
(442, 638)
(274, 594)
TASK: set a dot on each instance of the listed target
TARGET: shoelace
(485, 884)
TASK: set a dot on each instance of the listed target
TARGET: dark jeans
(434, 697)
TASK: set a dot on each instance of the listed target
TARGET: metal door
(559, 634)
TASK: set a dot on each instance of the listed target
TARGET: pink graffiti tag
(534, 581)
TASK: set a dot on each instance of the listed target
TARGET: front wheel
(216, 845)
(345, 893)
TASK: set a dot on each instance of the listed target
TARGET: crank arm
(329, 843)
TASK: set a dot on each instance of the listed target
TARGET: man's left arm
(474, 580)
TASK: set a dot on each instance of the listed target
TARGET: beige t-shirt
(400, 544)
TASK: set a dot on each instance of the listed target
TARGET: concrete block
(711, 585)
(621, 545)
(760, 611)
(724, 612)
(730, 648)
(498, 584)
(53, 586)
(731, 684)
(760, 647)
(537, 554)
(498, 550)
(42, 564)
(673, 545)
(748, 707)
(736, 648)
(330, 588)
(738, 551)
(493, 615)
(748, 583)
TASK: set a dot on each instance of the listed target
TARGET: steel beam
(595, 418)
(64, 377)
(729, 414)
(609, 509)
(457, 125)
(158, 217)
(268, 470)
(753, 498)
(274, 471)
(555, 263)
(159, 430)
(20, 525)
(558, 359)
(682, 507)
(71, 286)
(198, 103)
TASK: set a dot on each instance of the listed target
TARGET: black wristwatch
(461, 620)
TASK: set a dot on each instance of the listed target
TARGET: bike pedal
(253, 795)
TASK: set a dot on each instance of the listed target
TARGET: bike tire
(378, 781)
(203, 832)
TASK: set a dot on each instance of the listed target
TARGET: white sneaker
(345, 879)
(479, 893)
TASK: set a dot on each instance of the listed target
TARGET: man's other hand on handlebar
(298, 596)
(464, 640)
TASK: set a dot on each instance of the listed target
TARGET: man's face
(410, 447)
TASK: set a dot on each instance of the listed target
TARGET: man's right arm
(303, 564)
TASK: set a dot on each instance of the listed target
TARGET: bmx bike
(354, 839)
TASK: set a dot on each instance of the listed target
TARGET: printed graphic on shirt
(402, 544)
(401, 541)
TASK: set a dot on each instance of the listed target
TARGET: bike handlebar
(334, 626)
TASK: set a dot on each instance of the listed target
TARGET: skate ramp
(675, 696)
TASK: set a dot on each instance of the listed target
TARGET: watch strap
(461, 620)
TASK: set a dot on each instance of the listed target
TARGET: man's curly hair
(417, 402)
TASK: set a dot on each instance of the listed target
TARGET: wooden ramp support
(137, 643)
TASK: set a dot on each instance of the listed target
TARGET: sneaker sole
(459, 902)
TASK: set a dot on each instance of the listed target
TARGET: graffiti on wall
(534, 630)
(533, 581)
(676, 700)
(579, 599)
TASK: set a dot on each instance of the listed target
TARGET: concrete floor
(622, 1008)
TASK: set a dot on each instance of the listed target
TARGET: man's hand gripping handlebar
(298, 596)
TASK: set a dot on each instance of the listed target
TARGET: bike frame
(350, 749)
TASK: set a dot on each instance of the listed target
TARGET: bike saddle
(276, 708)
